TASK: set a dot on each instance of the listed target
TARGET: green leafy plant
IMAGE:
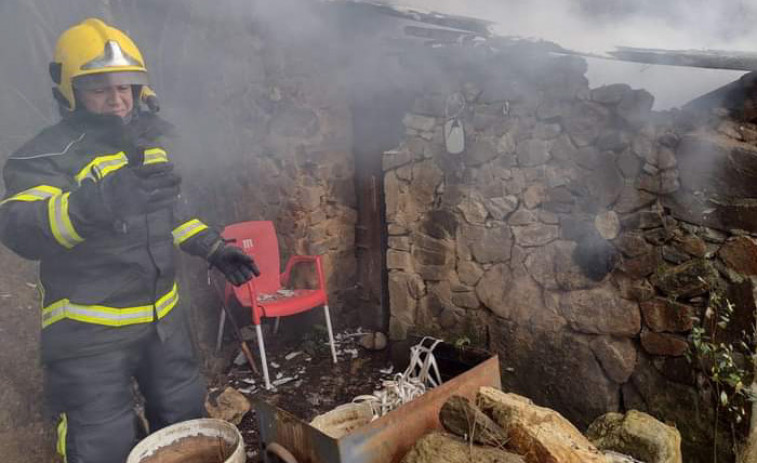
(728, 366)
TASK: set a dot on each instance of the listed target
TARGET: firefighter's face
(114, 100)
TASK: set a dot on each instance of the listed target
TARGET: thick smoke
(598, 26)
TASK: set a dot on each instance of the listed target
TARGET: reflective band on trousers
(101, 166)
(62, 436)
(60, 223)
(187, 230)
(38, 193)
(109, 316)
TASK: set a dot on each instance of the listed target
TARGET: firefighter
(94, 199)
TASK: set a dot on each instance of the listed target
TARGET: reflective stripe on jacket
(103, 278)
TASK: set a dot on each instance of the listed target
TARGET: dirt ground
(309, 382)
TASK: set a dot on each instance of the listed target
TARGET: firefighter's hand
(141, 189)
(237, 267)
(127, 191)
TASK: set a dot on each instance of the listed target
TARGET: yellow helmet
(92, 54)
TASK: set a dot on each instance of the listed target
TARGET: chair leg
(221, 326)
(263, 360)
(331, 332)
(276, 326)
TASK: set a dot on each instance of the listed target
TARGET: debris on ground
(231, 405)
(307, 383)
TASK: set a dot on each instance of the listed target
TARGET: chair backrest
(258, 239)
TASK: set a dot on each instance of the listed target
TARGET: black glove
(236, 266)
(126, 192)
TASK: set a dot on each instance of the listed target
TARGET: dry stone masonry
(578, 234)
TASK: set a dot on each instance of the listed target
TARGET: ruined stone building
(577, 233)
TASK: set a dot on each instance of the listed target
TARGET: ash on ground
(306, 381)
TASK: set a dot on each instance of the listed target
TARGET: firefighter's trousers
(95, 397)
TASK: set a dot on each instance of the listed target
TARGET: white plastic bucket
(205, 427)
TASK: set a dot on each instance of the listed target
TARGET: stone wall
(562, 237)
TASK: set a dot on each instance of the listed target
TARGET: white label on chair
(247, 244)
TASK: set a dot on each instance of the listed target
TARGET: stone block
(509, 298)
(644, 148)
(540, 434)
(669, 253)
(633, 244)
(434, 272)
(690, 279)
(396, 229)
(666, 344)
(469, 272)
(666, 158)
(632, 199)
(534, 195)
(400, 243)
(638, 435)
(402, 305)
(617, 357)
(309, 198)
(418, 122)
(601, 311)
(634, 289)
(586, 122)
(607, 224)
(533, 152)
(610, 94)
(426, 178)
(506, 144)
(473, 208)
(395, 158)
(692, 245)
(398, 329)
(643, 265)
(467, 300)
(628, 164)
(491, 245)
(481, 150)
(430, 105)
(666, 315)
(416, 286)
(500, 208)
(547, 131)
(537, 234)
(606, 183)
(636, 107)
(740, 254)
(562, 149)
(523, 217)
(399, 260)
(613, 140)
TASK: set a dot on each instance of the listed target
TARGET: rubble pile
(508, 428)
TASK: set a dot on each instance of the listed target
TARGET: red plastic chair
(264, 295)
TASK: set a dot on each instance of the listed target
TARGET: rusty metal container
(285, 437)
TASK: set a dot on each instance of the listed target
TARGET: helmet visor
(108, 79)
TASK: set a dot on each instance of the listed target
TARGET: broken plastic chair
(264, 295)
(454, 130)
